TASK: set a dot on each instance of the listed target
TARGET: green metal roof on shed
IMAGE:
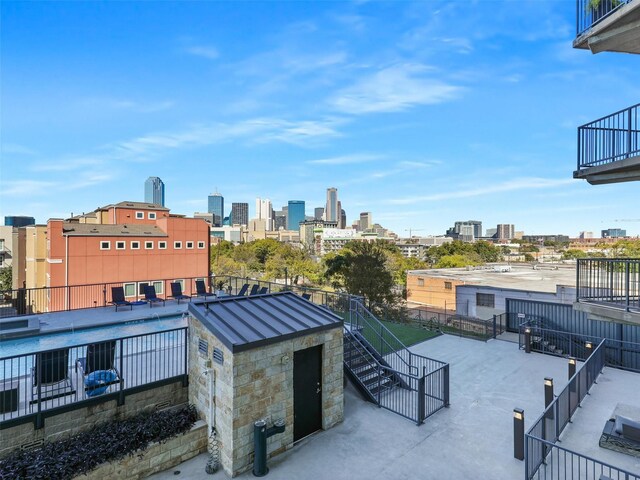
(243, 323)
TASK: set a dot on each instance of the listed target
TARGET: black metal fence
(450, 322)
(338, 302)
(422, 383)
(617, 353)
(564, 464)
(28, 301)
(612, 282)
(589, 12)
(547, 429)
(611, 138)
(44, 383)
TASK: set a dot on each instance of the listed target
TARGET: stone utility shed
(275, 356)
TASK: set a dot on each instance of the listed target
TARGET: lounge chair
(622, 435)
(150, 295)
(176, 292)
(50, 375)
(98, 367)
(117, 298)
(306, 296)
(243, 290)
(263, 290)
(201, 290)
(254, 289)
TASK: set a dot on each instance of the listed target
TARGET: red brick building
(132, 244)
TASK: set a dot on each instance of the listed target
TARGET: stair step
(374, 380)
(357, 365)
(383, 386)
(365, 372)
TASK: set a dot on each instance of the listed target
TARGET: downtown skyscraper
(216, 207)
(239, 214)
(264, 211)
(295, 214)
(332, 208)
(154, 191)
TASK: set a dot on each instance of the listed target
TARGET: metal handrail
(587, 16)
(594, 362)
(614, 282)
(610, 138)
(169, 348)
(550, 446)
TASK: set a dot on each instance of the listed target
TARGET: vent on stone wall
(218, 356)
(161, 405)
(32, 445)
(203, 347)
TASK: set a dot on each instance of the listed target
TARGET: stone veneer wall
(258, 383)
(199, 388)
(156, 458)
(86, 418)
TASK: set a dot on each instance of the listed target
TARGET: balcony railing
(590, 12)
(40, 384)
(610, 139)
(609, 282)
(29, 301)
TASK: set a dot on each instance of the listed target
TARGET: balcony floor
(471, 439)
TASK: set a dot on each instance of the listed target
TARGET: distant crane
(413, 230)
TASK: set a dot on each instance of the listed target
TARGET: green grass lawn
(409, 334)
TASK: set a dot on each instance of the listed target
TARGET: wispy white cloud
(393, 89)
(205, 51)
(16, 149)
(347, 159)
(525, 183)
(64, 165)
(106, 103)
(422, 164)
(26, 188)
(258, 130)
(88, 179)
(35, 188)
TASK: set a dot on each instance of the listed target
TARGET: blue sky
(422, 113)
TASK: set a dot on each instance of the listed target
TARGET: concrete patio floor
(471, 439)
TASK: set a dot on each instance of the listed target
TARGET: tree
(5, 278)
(464, 254)
(454, 261)
(573, 253)
(360, 268)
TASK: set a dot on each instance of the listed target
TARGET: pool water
(20, 346)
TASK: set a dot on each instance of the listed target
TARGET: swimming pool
(25, 345)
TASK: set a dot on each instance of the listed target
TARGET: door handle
(318, 390)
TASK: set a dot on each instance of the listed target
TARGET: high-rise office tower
(240, 213)
(343, 219)
(466, 231)
(366, 221)
(264, 211)
(154, 191)
(318, 213)
(505, 231)
(295, 214)
(216, 207)
(332, 209)
(281, 220)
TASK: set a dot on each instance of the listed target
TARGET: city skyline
(460, 111)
